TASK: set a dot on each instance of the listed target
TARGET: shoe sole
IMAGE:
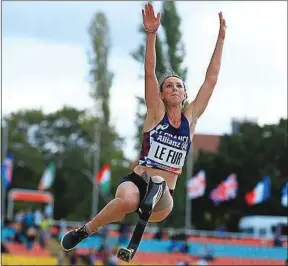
(125, 254)
(61, 243)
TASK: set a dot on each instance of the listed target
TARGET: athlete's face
(173, 92)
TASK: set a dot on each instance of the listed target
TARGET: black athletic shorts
(140, 183)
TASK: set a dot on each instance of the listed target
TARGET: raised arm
(151, 24)
(197, 107)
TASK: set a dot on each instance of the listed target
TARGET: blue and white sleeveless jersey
(166, 147)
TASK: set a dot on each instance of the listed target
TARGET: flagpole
(91, 178)
(4, 154)
(188, 205)
(96, 162)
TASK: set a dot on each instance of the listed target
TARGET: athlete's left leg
(156, 199)
(163, 208)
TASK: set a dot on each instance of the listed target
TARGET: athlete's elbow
(149, 74)
(211, 81)
(150, 67)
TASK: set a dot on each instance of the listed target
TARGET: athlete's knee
(127, 204)
(128, 196)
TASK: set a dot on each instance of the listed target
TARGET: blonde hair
(165, 75)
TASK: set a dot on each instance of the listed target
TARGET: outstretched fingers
(220, 16)
(151, 9)
(159, 17)
(150, 20)
(147, 10)
(222, 20)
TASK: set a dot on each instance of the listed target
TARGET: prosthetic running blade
(153, 195)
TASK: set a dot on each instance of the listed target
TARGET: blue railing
(219, 250)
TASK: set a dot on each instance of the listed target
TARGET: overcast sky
(44, 60)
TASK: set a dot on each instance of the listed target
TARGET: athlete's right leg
(126, 200)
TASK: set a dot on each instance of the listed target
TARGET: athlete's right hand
(150, 22)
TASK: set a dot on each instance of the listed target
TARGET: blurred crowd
(180, 244)
(277, 242)
(32, 226)
(29, 227)
(105, 254)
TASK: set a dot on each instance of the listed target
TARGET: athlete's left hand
(223, 26)
(150, 21)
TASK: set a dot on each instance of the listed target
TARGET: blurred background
(72, 116)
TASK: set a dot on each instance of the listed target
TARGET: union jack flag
(226, 190)
(196, 185)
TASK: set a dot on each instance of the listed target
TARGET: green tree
(64, 137)
(139, 54)
(20, 127)
(252, 153)
(140, 118)
(175, 47)
(101, 78)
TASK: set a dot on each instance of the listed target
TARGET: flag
(284, 198)
(103, 178)
(260, 193)
(7, 170)
(226, 190)
(48, 177)
(196, 185)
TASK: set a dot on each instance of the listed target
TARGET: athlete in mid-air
(167, 134)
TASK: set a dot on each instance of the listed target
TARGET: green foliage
(101, 81)
(252, 153)
(101, 77)
(64, 137)
(140, 117)
(139, 54)
(175, 47)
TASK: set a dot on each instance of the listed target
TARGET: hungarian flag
(48, 177)
(260, 193)
(103, 178)
(196, 185)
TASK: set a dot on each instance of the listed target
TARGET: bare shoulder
(153, 118)
(190, 114)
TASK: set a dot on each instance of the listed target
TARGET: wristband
(150, 31)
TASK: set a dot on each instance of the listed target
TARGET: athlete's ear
(161, 95)
(185, 96)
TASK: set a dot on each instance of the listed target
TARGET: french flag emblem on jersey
(260, 193)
